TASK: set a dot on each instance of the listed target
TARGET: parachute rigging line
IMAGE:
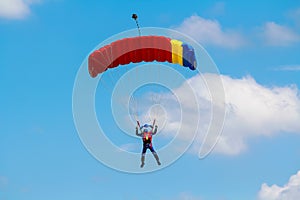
(134, 16)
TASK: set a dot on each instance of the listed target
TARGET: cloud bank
(279, 35)
(15, 9)
(210, 32)
(290, 191)
(253, 110)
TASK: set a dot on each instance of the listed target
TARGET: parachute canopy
(138, 49)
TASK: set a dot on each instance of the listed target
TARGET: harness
(147, 137)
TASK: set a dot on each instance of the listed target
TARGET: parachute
(139, 49)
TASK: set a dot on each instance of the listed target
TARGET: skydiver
(147, 141)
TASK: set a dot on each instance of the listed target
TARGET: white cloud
(210, 32)
(279, 35)
(288, 68)
(289, 191)
(15, 9)
(253, 110)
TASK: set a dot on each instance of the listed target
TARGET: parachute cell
(138, 49)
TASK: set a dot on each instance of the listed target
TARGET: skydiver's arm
(155, 130)
(137, 132)
(152, 126)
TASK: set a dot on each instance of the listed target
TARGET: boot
(157, 158)
(143, 161)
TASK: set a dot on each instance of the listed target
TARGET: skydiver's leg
(142, 160)
(156, 157)
(143, 156)
(154, 154)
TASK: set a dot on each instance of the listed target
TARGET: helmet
(147, 126)
(145, 130)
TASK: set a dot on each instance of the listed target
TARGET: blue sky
(255, 46)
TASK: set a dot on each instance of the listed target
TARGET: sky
(255, 46)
